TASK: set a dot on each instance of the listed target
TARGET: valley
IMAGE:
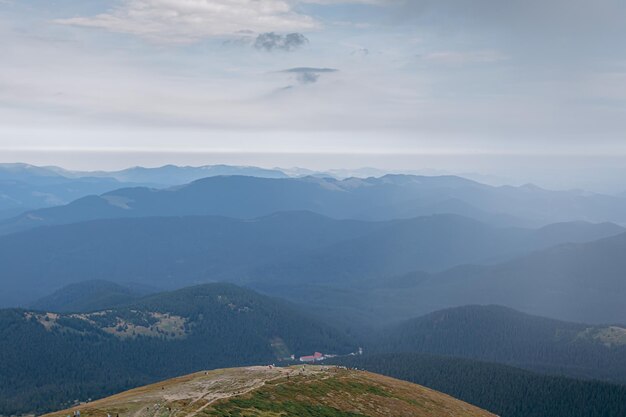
(312, 208)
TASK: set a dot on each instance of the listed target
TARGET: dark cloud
(272, 41)
(308, 75)
(360, 52)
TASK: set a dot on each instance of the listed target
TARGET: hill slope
(264, 392)
(89, 296)
(578, 282)
(498, 334)
(288, 248)
(49, 359)
(503, 390)
(435, 243)
(160, 252)
(581, 282)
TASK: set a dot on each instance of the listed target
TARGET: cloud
(561, 32)
(463, 58)
(308, 75)
(192, 20)
(273, 41)
(360, 52)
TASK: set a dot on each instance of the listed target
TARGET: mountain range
(385, 198)
(581, 282)
(123, 278)
(169, 175)
(25, 187)
(287, 249)
(95, 353)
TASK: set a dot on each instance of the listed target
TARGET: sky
(518, 90)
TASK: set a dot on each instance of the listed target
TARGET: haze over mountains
(91, 354)
(25, 187)
(233, 270)
(385, 198)
(283, 249)
(580, 282)
(429, 190)
(376, 263)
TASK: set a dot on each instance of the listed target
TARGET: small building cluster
(316, 357)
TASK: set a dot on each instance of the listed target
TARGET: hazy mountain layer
(389, 197)
(580, 282)
(26, 187)
(295, 248)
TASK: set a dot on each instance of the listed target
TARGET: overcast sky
(527, 90)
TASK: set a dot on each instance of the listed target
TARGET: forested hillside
(50, 359)
(499, 334)
(88, 296)
(503, 390)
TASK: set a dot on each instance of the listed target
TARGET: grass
(311, 391)
(299, 396)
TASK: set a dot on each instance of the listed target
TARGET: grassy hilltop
(311, 391)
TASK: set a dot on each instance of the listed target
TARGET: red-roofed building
(314, 358)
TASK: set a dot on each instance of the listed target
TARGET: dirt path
(186, 396)
(212, 397)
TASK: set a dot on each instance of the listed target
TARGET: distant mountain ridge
(169, 175)
(290, 248)
(385, 198)
(25, 187)
(582, 282)
(161, 252)
(435, 243)
(579, 282)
